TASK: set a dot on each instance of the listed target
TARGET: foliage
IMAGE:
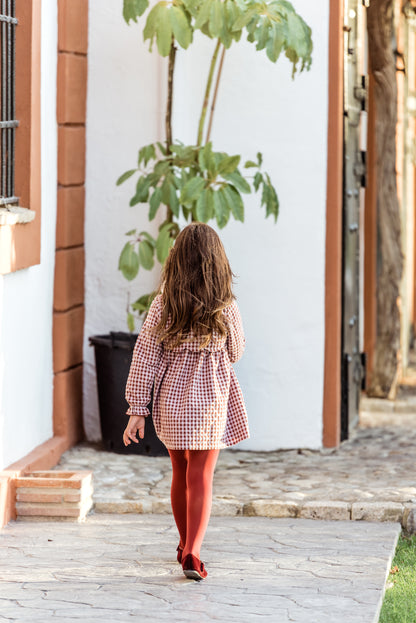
(400, 599)
(273, 26)
(194, 181)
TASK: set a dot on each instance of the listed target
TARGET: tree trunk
(389, 264)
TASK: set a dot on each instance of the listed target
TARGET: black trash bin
(113, 353)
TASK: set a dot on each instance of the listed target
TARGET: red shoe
(179, 549)
(193, 568)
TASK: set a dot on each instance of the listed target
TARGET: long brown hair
(196, 287)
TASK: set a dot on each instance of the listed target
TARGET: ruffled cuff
(135, 411)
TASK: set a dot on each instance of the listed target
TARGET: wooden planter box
(54, 495)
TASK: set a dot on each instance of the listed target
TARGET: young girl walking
(191, 336)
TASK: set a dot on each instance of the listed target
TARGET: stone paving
(371, 477)
(117, 568)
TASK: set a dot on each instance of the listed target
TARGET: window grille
(8, 123)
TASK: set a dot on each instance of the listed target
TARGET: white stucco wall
(280, 268)
(26, 296)
(124, 112)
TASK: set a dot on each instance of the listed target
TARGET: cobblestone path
(371, 476)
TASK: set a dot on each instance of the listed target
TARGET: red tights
(191, 495)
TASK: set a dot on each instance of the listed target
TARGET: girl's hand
(135, 423)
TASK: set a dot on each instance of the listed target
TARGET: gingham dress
(197, 401)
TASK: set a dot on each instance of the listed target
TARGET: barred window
(10, 211)
(20, 134)
(8, 123)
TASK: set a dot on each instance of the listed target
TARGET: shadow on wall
(92, 425)
(8, 249)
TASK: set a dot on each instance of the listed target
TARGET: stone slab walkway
(370, 477)
(116, 568)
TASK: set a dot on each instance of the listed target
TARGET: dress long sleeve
(235, 339)
(145, 361)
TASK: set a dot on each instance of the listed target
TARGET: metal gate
(355, 92)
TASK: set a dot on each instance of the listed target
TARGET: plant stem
(214, 98)
(207, 92)
(168, 117)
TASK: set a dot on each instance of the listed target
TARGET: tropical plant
(195, 181)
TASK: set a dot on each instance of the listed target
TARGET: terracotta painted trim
(20, 244)
(333, 244)
(73, 26)
(67, 325)
(68, 317)
(370, 237)
(43, 456)
(67, 405)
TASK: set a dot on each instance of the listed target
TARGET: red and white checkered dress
(197, 401)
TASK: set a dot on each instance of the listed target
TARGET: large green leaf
(247, 14)
(192, 6)
(234, 202)
(232, 13)
(201, 159)
(238, 181)
(275, 26)
(154, 203)
(204, 206)
(162, 167)
(186, 212)
(192, 190)
(210, 203)
(226, 36)
(275, 42)
(216, 18)
(146, 255)
(173, 200)
(132, 9)
(164, 32)
(162, 148)
(269, 198)
(166, 189)
(210, 159)
(146, 154)
(221, 208)
(149, 238)
(299, 42)
(125, 176)
(258, 178)
(158, 25)
(149, 31)
(143, 303)
(180, 26)
(262, 34)
(142, 191)
(129, 262)
(186, 154)
(229, 164)
(203, 14)
(164, 242)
